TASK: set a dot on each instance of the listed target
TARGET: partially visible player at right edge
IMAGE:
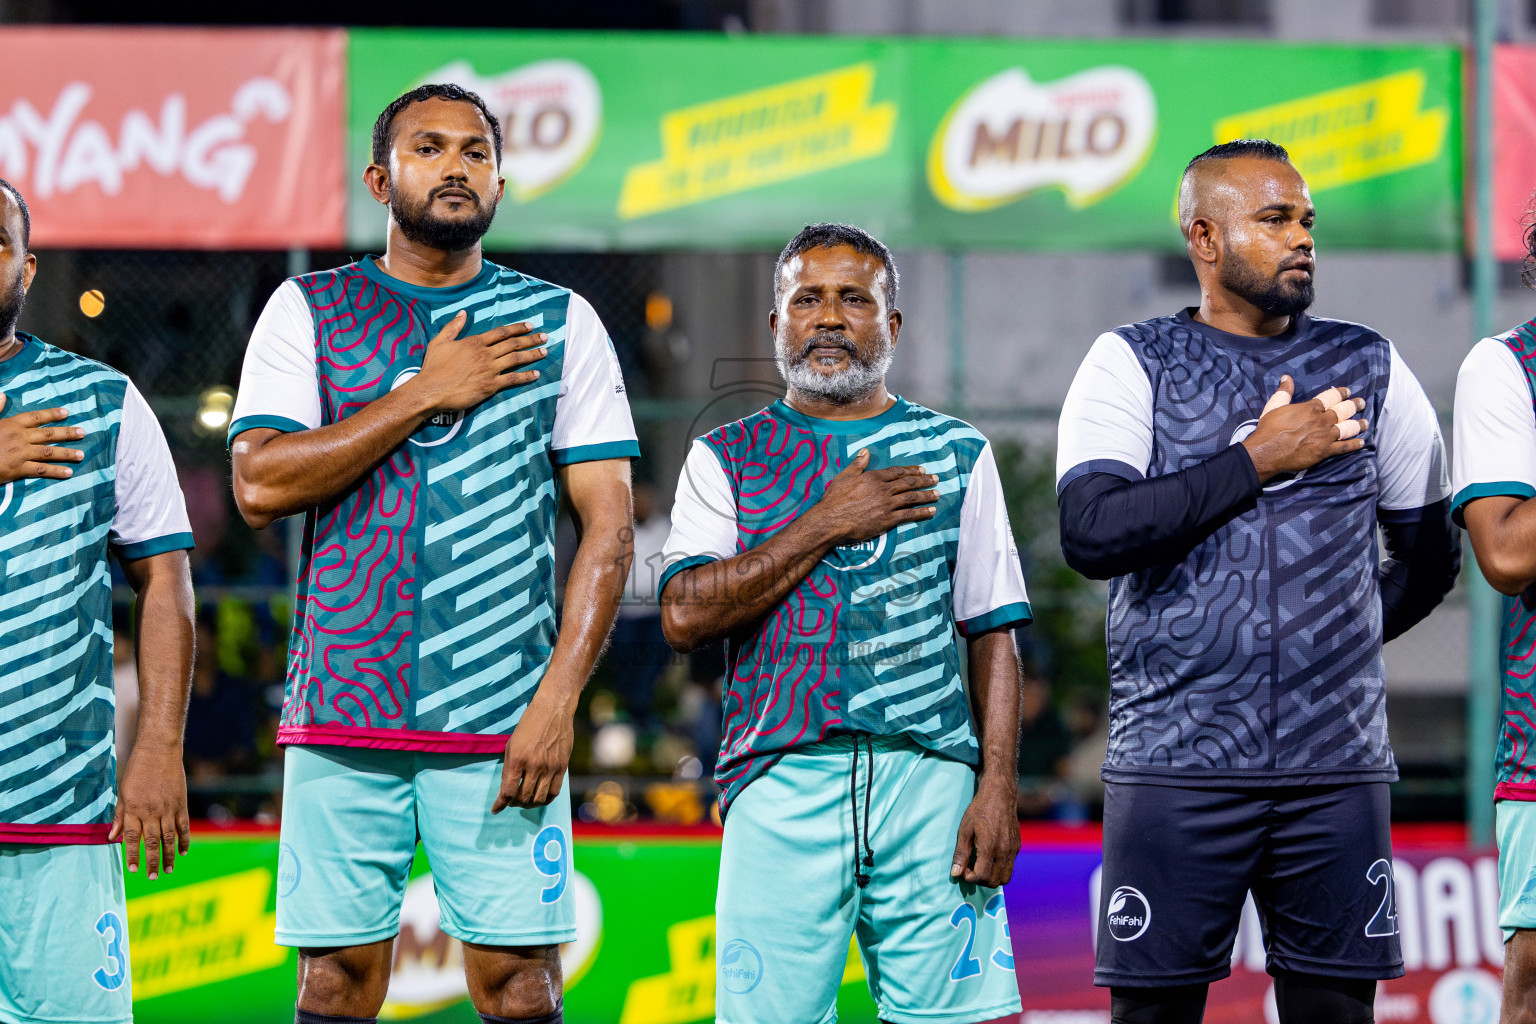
(1248, 606)
(1494, 473)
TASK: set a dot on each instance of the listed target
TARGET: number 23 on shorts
(969, 965)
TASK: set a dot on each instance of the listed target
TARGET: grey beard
(854, 383)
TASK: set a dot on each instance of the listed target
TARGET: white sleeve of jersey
(592, 418)
(1106, 419)
(989, 582)
(151, 515)
(1495, 427)
(279, 386)
(703, 515)
(1410, 455)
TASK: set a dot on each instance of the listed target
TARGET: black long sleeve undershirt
(1423, 559)
(1111, 526)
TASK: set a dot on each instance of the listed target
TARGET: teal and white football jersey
(58, 771)
(426, 612)
(865, 644)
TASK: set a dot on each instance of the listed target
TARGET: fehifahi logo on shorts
(741, 966)
(288, 870)
(1129, 914)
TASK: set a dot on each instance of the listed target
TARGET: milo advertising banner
(201, 940)
(639, 141)
(201, 948)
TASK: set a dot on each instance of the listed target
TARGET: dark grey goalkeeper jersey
(1256, 659)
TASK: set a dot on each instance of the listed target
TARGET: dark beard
(1271, 295)
(418, 223)
(11, 302)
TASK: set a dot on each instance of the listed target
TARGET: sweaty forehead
(10, 218)
(1218, 188)
(839, 265)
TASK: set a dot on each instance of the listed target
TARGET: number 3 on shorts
(112, 980)
(549, 858)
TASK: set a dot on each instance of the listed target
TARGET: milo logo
(1086, 134)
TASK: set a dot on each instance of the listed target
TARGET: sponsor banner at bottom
(201, 948)
(1441, 898)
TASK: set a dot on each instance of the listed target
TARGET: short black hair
(26, 214)
(384, 126)
(830, 236)
(1262, 149)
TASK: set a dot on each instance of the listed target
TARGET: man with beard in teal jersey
(422, 411)
(862, 795)
(69, 495)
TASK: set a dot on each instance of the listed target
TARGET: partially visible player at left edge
(84, 467)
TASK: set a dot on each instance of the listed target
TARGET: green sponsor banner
(200, 940)
(709, 142)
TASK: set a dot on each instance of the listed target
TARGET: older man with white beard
(835, 540)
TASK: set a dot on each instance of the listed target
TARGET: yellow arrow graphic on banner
(1352, 134)
(761, 137)
(202, 933)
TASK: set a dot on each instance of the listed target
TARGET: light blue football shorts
(351, 820)
(934, 950)
(63, 935)
(1515, 830)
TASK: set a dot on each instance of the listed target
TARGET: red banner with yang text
(152, 138)
(1514, 148)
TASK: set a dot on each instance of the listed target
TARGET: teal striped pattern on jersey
(58, 772)
(427, 601)
(865, 644)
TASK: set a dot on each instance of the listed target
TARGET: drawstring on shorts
(867, 860)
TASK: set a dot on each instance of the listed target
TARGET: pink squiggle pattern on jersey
(1516, 758)
(1530, 727)
(394, 544)
(360, 581)
(1517, 729)
(788, 688)
(362, 677)
(803, 475)
(365, 667)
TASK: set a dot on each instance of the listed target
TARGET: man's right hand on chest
(1292, 437)
(860, 503)
(460, 373)
(28, 445)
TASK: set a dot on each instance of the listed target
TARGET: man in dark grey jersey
(1247, 608)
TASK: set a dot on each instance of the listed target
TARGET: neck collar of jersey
(1299, 325)
(432, 296)
(31, 348)
(783, 411)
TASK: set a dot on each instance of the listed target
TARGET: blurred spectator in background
(221, 727)
(639, 650)
(125, 684)
(699, 707)
(1044, 747)
(1090, 732)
